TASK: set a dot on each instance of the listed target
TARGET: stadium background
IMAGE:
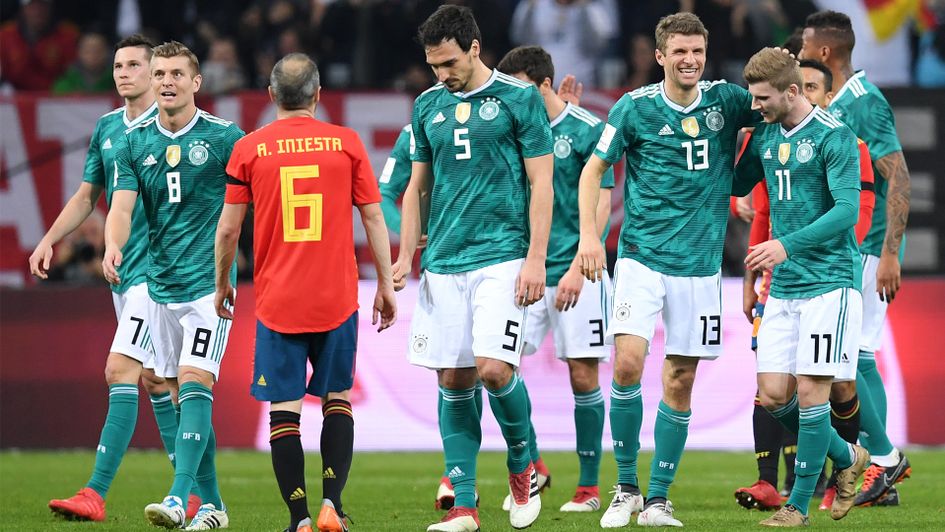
(54, 335)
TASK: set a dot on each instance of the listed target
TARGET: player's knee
(494, 374)
(772, 401)
(120, 369)
(191, 374)
(153, 384)
(628, 369)
(583, 375)
(842, 392)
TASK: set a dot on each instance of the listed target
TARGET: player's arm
(749, 169)
(410, 221)
(571, 283)
(760, 231)
(888, 273)
(591, 255)
(76, 210)
(385, 305)
(224, 250)
(117, 229)
(867, 194)
(394, 179)
(530, 285)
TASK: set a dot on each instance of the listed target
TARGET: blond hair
(774, 66)
(176, 49)
(681, 24)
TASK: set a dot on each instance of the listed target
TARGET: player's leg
(638, 299)
(279, 367)
(845, 419)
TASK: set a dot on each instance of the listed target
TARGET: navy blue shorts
(280, 365)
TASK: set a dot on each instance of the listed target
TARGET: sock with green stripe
(196, 408)
(166, 416)
(872, 429)
(510, 407)
(866, 366)
(669, 434)
(788, 415)
(626, 418)
(477, 397)
(206, 479)
(589, 427)
(116, 435)
(461, 432)
(813, 439)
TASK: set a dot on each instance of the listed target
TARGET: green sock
(589, 427)
(196, 408)
(670, 433)
(866, 366)
(510, 407)
(116, 434)
(166, 416)
(813, 438)
(839, 450)
(788, 415)
(533, 453)
(461, 432)
(872, 429)
(626, 418)
(207, 473)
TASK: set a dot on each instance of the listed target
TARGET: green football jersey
(394, 179)
(475, 143)
(575, 133)
(181, 179)
(860, 105)
(804, 169)
(100, 171)
(679, 173)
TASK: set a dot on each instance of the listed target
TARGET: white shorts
(188, 334)
(462, 316)
(874, 308)
(812, 336)
(133, 336)
(579, 331)
(691, 306)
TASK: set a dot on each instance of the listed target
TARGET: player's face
(173, 82)
(814, 89)
(451, 65)
(131, 72)
(770, 102)
(684, 60)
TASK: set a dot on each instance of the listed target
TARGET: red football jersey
(303, 177)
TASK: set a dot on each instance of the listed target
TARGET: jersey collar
(190, 125)
(800, 126)
(675, 106)
(561, 115)
(495, 74)
(846, 86)
(141, 118)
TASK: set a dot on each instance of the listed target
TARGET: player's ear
(272, 96)
(659, 57)
(829, 97)
(198, 80)
(318, 94)
(475, 48)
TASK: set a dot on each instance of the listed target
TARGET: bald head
(294, 82)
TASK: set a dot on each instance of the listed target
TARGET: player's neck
(554, 105)
(797, 114)
(135, 107)
(180, 118)
(295, 113)
(679, 95)
(480, 76)
(841, 74)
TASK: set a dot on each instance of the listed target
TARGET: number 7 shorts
(691, 307)
(133, 335)
(461, 316)
(188, 334)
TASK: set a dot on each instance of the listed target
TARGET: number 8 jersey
(181, 180)
(476, 143)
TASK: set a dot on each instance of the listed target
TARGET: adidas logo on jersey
(150, 161)
(768, 153)
(456, 472)
(107, 144)
(439, 118)
(666, 130)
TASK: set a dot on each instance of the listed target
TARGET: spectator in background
(92, 70)
(78, 258)
(34, 49)
(222, 72)
(637, 20)
(930, 60)
(575, 32)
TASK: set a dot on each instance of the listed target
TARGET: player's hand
(888, 277)
(400, 271)
(385, 308)
(39, 260)
(570, 90)
(530, 284)
(569, 288)
(749, 300)
(765, 255)
(422, 243)
(110, 265)
(223, 301)
(592, 259)
(743, 209)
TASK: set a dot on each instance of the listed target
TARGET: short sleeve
(363, 183)
(607, 180)
(842, 159)
(533, 131)
(419, 144)
(619, 132)
(238, 189)
(396, 172)
(124, 172)
(94, 171)
(232, 134)
(877, 127)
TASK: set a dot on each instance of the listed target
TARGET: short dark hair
(795, 41)
(294, 87)
(450, 22)
(136, 40)
(834, 27)
(533, 61)
(177, 49)
(828, 75)
(682, 24)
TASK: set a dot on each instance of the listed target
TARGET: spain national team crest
(172, 155)
(463, 110)
(784, 152)
(691, 126)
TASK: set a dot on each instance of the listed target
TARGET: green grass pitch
(394, 491)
